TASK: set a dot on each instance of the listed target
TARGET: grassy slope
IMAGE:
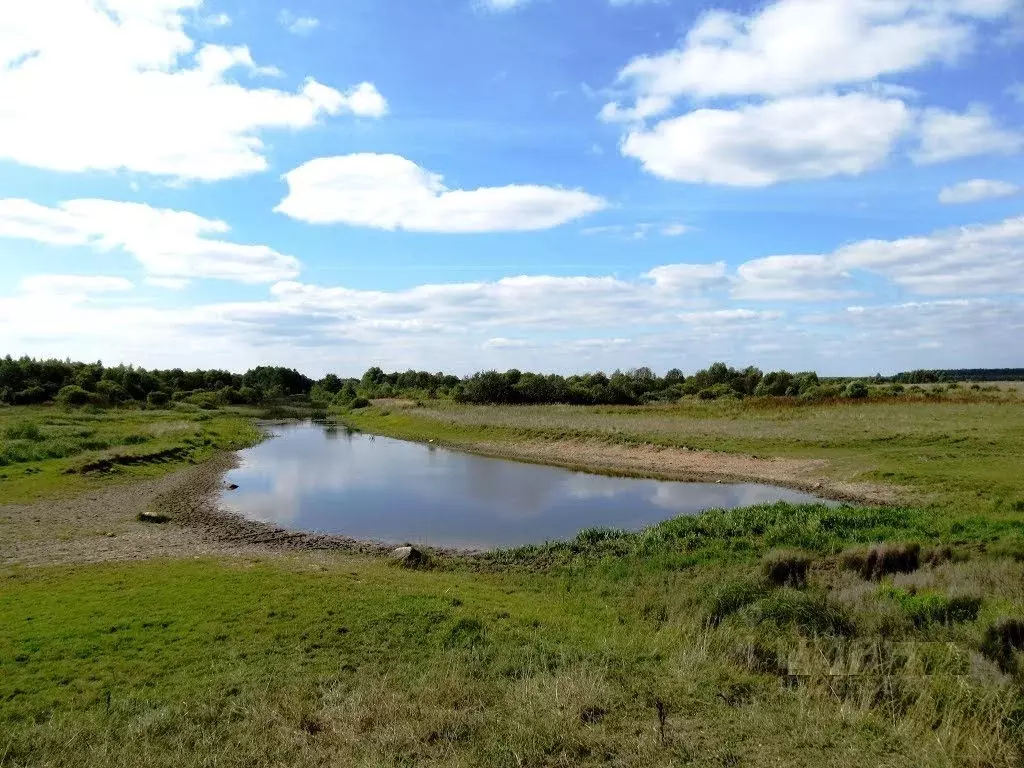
(41, 448)
(958, 455)
(545, 656)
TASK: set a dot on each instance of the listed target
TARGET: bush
(72, 396)
(111, 392)
(30, 396)
(157, 399)
(883, 560)
(715, 392)
(1003, 639)
(856, 390)
(359, 402)
(786, 568)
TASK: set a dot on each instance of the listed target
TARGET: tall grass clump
(786, 568)
(927, 608)
(24, 430)
(883, 560)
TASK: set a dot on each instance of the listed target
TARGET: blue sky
(556, 185)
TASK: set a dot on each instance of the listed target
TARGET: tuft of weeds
(1003, 639)
(926, 608)
(883, 560)
(786, 568)
(732, 597)
(809, 613)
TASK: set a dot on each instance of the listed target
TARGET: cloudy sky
(555, 185)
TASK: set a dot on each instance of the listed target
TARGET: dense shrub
(157, 399)
(359, 402)
(715, 392)
(72, 396)
(30, 396)
(856, 390)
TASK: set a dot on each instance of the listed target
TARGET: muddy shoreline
(104, 525)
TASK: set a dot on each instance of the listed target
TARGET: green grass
(342, 661)
(954, 455)
(44, 449)
(678, 645)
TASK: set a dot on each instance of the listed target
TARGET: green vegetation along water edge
(884, 634)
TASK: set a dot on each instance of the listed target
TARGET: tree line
(27, 381)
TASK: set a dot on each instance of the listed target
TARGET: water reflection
(322, 477)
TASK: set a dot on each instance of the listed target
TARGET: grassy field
(45, 451)
(771, 636)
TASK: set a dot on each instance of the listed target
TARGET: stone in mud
(408, 556)
(152, 517)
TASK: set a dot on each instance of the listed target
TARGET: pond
(325, 478)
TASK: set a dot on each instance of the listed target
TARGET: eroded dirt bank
(644, 460)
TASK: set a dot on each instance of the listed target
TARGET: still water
(317, 477)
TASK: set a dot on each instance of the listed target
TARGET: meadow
(776, 635)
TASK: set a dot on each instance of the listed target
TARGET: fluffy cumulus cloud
(391, 192)
(791, 278)
(676, 313)
(976, 190)
(949, 135)
(799, 91)
(171, 245)
(987, 259)
(806, 137)
(796, 46)
(123, 85)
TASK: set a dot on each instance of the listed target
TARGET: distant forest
(27, 381)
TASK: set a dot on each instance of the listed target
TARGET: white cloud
(674, 230)
(168, 243)
(297, 25)
(791, 278)
(391, 192)
(217, 20)
(142, 97)
(758, 145)
(801, 46)
(638, 231)
(169, 283)
(688, 277)
(950, 135)
(721, 316)
(987, 259)
(70, 286)
(976, 190)
(500, 6)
